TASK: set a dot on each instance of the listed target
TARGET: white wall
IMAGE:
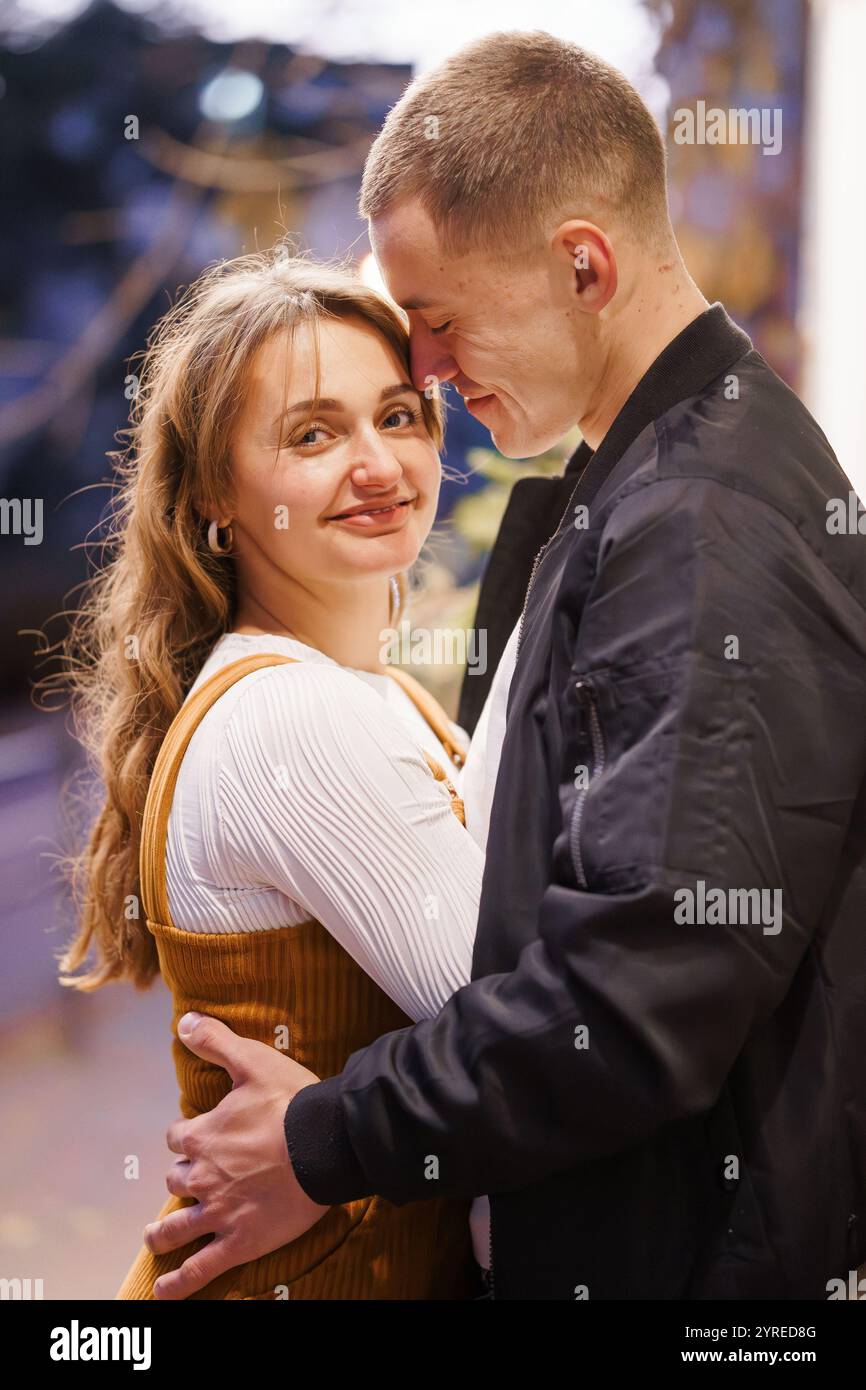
(833, 265)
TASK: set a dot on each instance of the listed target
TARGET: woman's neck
(347, 627)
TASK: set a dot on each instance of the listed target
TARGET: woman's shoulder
(234, 646)
(305, 670)
(308, 699)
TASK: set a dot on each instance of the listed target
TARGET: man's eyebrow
(329, 403)
(417, 303)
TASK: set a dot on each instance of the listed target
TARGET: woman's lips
(389, 517)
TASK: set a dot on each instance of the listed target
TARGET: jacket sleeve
(715, 643)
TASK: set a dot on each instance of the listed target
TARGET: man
(657, 1068)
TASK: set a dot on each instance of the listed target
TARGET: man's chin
(513, 439)
(513, 444)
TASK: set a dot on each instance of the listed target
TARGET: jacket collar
(691, 360)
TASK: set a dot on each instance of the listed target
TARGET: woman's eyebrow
(329, 403)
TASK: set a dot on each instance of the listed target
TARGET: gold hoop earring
(213, 538)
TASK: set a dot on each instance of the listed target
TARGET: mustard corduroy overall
(294, 978)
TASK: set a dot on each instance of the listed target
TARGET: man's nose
(430, 362)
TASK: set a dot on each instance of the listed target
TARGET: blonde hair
(160, 599)
(512, 130)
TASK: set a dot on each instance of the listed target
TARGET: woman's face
(349, 496)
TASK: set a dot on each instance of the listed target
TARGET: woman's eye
(411, 416)
(306, 439)
(314, 435)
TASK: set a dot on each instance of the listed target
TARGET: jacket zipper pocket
(588, 697)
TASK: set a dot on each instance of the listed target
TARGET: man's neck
(650, 321)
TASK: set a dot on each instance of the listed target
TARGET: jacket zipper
(588, 697)
(528, 588)
(535, 565)
(537, 561)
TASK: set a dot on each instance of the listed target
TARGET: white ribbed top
(304, 793)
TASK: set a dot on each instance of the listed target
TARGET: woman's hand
(235, 1164)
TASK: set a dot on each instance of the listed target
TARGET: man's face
(506, 337)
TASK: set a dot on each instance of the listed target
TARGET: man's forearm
(493, 1094)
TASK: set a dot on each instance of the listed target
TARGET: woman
(279, 804)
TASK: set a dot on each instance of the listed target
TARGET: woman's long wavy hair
(160, 598)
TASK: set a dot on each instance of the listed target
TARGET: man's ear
(588, 263)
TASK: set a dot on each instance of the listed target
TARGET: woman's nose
(376, 466)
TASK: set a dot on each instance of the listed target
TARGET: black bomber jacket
(657, 1070)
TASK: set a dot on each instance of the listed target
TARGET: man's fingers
(178, 1229)
(177, 1178)
(198, 1271)
(173, 1136)
(214, 1041)
(180, 1136)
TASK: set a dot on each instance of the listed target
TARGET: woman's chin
(386, 553)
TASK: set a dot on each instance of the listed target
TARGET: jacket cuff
(320, 1149)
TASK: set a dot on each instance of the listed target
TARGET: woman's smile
(375, 516)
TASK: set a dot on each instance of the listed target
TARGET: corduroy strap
(157, 806)
(433, 713)
(160, 792)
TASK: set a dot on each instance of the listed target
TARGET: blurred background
(142, 141)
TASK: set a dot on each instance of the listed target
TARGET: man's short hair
(512, 131)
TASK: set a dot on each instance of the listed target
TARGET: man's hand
(235, 1163)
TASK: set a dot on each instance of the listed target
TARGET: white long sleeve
(303, 794)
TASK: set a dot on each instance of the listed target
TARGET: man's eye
(443, 328)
